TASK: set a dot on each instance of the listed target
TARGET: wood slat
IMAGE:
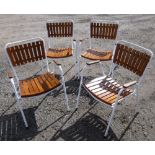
(106, 90)
(38, 85)
(94, 54)
(11, 56)
(39, 50)
(19, 55)
(131, 59)
(59, 52)
(25, 53)
(60, 29)
(103, 30)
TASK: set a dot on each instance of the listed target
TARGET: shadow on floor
(89, 128)
(12, 126)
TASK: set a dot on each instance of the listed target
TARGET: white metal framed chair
(107, 90)
(57, 29)
(100, 30)
(31, 51)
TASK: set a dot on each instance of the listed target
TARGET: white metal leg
(78, 98)
(66, 97)
(137, 98)
(22, 113)
(102, 70)
(79, 67)
(79, 58)
(75, 62)
(109, 122)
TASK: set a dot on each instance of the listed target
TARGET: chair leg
(101, 67)
(137, 99)
(66, 97)
(22, 113)
(78, 67)
(78, 98)
(109, 122)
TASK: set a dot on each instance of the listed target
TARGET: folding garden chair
(59, 29)
(105, 30)
(32, 51)
(107, 90)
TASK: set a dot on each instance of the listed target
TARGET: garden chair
(61, 29)
(32, 51)
(105, 30)
(107, 90)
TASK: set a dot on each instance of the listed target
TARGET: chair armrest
(129, 84)
(93, 62)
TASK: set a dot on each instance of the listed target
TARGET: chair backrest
(103, 30)
(26, 51)
(60, 29)
(130, 58)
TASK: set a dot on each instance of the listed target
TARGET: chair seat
(59, 52)
(95, 54)
(106, 90)
(38, 85)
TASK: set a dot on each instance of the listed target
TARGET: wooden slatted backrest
(26, 52)
(60, 29)
(131, 59)
(103, 30)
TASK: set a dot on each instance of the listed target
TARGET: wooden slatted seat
(38, 85)
(106, 89)
(59, 52)
(95, 54)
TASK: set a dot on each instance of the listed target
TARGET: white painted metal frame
(135, 90)
(73, 41)
(15, 84)
(90, 41)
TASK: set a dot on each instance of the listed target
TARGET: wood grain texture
(95, 54)
(38, 85)
(25, 53)
(131, 59)
(106, 90)
(103, 30)
(59, 52)
(60, 29)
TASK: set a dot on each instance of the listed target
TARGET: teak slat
(60, 29)
(131, 59)
(38, 85)
(106, 90)
(103, 30)
(24, 53)
(94, 54)
(59, 52)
